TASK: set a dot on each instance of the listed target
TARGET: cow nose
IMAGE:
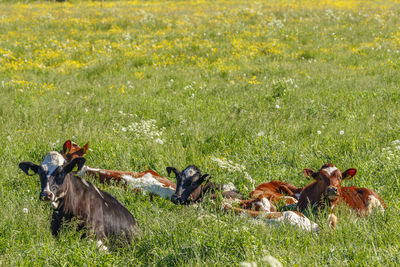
(46, 195)
(332, 191)
(175, 199)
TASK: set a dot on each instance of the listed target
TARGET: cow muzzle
(46, 195)
(332, 193)
(177, 199)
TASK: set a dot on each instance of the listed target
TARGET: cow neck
(200, 191)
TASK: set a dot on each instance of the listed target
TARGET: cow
(148, 180)
(73, 197)
(72, 150)
(362, 200)
(325, 190)
(192, 186)
(277, 191)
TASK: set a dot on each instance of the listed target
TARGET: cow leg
(56, 222)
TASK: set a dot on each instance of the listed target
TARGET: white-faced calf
(102, 214)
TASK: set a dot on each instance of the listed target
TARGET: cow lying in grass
(148, 181)
(191, 180)
(326, 191)
(73, 197)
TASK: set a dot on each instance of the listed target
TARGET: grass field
(267, 87)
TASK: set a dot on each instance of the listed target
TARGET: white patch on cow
(297, 195)
(149, 184)
(289, 200)
(100, 246)
(374, 204)
(330, 170)
(82, 171)
(98, 191)
(85, 183)
(51, 162)
(55, 204)
(332, 220)
(229, 187)
(296, 220)
(105, 203)
(91, 169)
(189, 172)
(264, 205)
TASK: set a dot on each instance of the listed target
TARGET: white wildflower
(123, 129)
(341, 132)
(25, 210)
(233, 167)
(277, 106)
(67, 93)
(159, 141)
(271, 261)
(319, 132)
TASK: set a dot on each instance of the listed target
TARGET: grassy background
(271, 86)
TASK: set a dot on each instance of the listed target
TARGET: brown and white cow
(148, 181)
(362, 200)
(73, 197)
(325, 190)
(277, 191)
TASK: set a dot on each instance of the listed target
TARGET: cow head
(52, 172)
(188, 181)
(71, 150)
(328, 180)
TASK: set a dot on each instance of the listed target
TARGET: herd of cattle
(107, 219)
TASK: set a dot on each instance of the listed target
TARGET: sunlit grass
(270, 87)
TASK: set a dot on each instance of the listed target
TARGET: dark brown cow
(325, 190)
(73, 197)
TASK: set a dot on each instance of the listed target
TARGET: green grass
(252, 83)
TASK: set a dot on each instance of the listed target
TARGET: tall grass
(274, 86)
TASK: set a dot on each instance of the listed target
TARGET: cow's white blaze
(229, 187)
(189, 172)
(51, 162)
(149, 184)
(330, 170)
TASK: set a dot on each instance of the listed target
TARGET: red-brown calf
(276, 191)
(325, 190)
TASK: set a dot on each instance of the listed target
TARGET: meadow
(249, 91)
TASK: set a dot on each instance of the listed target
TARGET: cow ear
(76, 162)
(85, 148)
(309, 173)
(67, 146)
(25, 166)
(349, 174)
(172, 169)
(203, 178)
